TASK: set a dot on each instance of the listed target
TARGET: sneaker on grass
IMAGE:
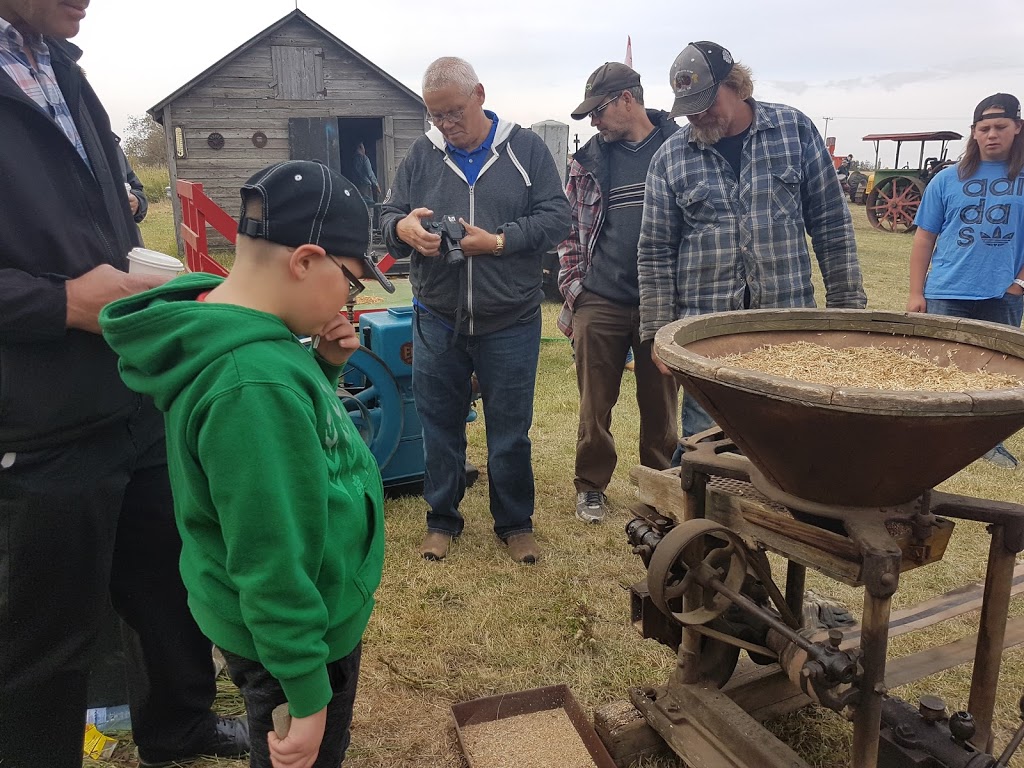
(1001, 457)
(591, 506)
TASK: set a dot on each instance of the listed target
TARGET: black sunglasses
(355, 287)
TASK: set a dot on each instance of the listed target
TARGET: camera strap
(460, 315)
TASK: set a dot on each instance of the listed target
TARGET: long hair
(971, 158)
(741, 80)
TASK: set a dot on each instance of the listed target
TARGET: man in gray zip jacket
(482, 313)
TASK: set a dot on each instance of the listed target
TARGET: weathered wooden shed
(294, 91)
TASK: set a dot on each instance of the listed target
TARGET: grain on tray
(365, 299)
(545, 739)
(870, 367)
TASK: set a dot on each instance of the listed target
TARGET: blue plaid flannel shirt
(707, 237)
(39, 83)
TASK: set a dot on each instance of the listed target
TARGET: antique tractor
(894, 194)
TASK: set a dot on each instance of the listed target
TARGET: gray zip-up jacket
(517, 193)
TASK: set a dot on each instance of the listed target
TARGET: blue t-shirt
(980, 227)
(470, 161)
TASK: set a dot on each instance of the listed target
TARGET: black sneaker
(591, 506)
(230, 739)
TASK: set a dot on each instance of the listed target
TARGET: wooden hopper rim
(671, 340)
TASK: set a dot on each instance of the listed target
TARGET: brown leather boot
(435, 545)
(522, 548)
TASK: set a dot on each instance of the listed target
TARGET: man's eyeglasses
(448, 117)
(597, 112)
(354, 286)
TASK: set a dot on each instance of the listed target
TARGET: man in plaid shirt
(729, 202)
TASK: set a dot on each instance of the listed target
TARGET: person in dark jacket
(85, 504)
(598, 280)
(138, 203)
(482, 312)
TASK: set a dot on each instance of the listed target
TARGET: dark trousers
(81, 524)
(602, 331)
(262, 693)
(505, 363)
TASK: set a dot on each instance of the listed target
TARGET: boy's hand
(299, 749)
(338, 340)
(917, 303)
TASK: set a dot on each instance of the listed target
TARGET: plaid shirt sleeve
(828, 222)
(574, 252)
(658, 249)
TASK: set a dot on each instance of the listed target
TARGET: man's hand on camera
(477, 241)
(89, 293)
(411, 232)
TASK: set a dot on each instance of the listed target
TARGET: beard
(708, 134)
(708, 129)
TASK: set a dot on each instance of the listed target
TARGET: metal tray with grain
(505, 705)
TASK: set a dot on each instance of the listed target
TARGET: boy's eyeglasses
(354, 286)
(597, 112)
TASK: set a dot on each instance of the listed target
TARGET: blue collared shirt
(39, 83)
(470, 161)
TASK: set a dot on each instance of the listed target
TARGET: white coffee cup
(142, 261)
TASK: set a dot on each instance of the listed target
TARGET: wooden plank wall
(240, 98)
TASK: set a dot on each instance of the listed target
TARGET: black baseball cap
(306, 202)
(696, 75)
(611, 78)
(1002, 101)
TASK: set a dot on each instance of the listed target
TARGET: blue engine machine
(376, 389)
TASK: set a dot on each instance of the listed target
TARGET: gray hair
(447, 71)
(637, 92)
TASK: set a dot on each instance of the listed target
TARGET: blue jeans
(505, 363)
(1006, 310)
(695, 419)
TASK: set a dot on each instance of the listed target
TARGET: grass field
(476, 624)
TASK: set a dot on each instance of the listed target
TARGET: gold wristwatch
(499, 243)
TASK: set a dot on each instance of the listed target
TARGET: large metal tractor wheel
(893, 203)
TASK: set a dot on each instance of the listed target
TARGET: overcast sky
(872, 67)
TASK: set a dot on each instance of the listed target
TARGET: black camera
(451, 232)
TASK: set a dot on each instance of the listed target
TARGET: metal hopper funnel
(852, 447)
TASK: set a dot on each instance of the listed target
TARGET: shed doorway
(333, 140)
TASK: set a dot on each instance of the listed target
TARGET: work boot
(229, 739)
(591, 506)
(522, 548)
(435, 545)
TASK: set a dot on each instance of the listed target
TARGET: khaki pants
(602, 332)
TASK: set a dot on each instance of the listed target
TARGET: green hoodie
(278, 500)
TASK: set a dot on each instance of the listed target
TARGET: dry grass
(476, 624)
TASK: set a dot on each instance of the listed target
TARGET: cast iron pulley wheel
(688, 556)
(893, 203)
(370, 394)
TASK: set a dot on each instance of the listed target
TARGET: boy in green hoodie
(278, 500)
